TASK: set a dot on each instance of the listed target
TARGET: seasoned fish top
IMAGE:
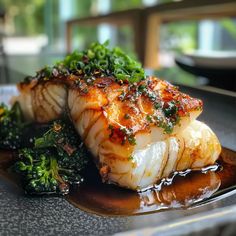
(128, 108)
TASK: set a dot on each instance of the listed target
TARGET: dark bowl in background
(218, 67)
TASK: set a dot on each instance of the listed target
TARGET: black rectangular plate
(22, 215)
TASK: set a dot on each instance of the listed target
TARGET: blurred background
(39, 32)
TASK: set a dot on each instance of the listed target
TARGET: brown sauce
(181, 190)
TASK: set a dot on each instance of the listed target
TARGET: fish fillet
(137, 133)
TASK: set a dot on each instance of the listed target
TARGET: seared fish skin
(42, 101)
(138, 133)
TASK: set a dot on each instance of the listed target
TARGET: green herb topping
(97, 61)
(102, 61)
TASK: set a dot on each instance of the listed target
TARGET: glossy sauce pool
(181, 190)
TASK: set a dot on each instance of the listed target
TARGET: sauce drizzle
(181, 190)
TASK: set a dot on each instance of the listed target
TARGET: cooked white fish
(104, 121)
(195, 147)
(137, 133)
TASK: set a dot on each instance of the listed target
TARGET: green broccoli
(55, 162)
(11, 126)
(40, 172)
(52, 157)
(64, 138)
(15, 133)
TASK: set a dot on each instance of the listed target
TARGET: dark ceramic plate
(22, 215)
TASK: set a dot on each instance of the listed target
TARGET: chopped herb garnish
(168, 127)
(170, 109)
(85, 90)
(157, 105)
(110, 127)
(149, 118)
(122, 96)
(97, 60)
(132, 139)
(141, 88)
(127, 116)
(130, 158)
(128, 135)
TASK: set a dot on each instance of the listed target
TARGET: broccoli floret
(64, 138)
(55, 162)
(52, 161)
(41, 172)
(11, 126)
(15, 133)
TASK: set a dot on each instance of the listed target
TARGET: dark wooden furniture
(146, 22)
